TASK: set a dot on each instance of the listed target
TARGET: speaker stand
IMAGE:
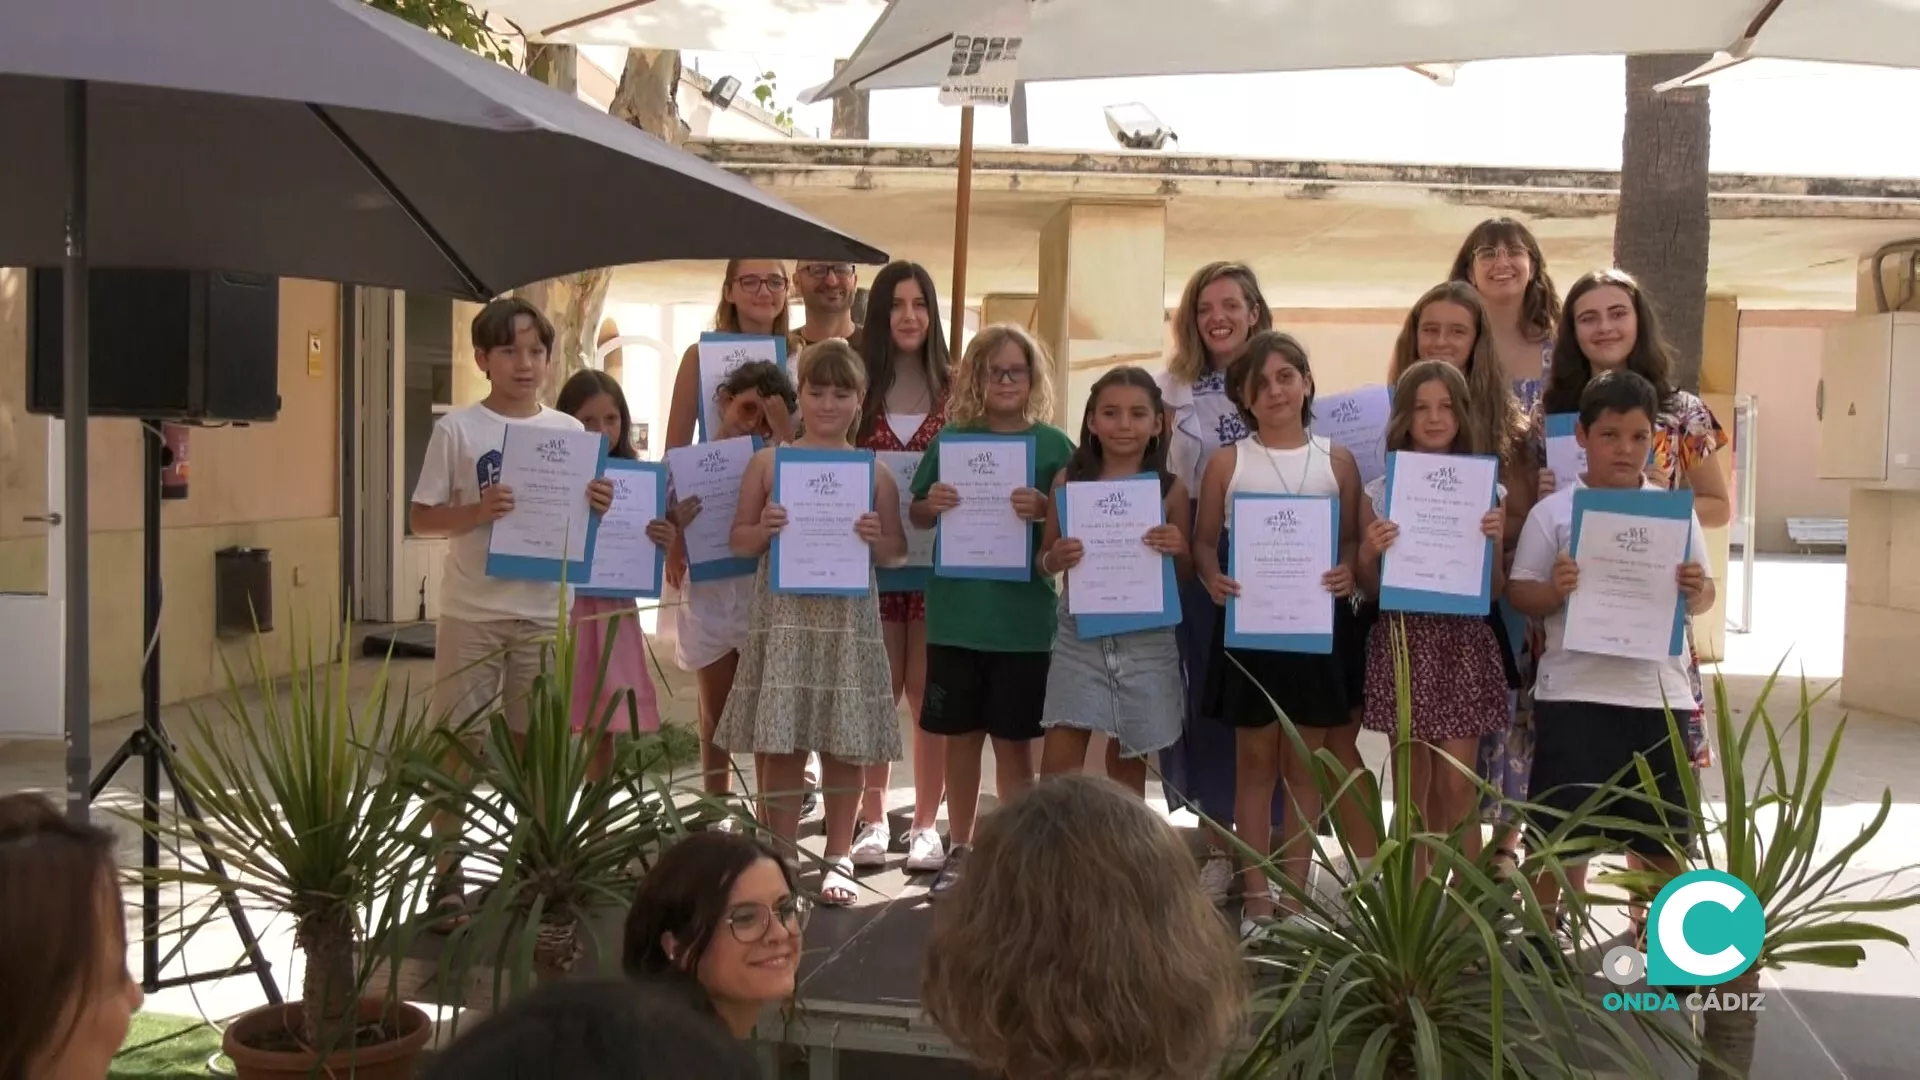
(155, 750)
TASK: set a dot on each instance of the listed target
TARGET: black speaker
(165, 344)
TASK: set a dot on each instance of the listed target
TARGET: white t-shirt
(463, 460)
(1579, 676)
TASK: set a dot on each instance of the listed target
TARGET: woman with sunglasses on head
(720, 910)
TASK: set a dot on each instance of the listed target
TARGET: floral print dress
(1686, 436)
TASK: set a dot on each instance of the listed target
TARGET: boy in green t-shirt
(989, 641)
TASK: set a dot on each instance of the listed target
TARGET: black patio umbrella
(321, 139)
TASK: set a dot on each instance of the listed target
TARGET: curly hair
(969, 401)
(1489, 405)
(1079, 944)
(1189, 359)
(1540, 305)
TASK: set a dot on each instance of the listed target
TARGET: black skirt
(1313, 689)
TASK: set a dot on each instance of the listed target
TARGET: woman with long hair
(908, 377)
(1220, 308)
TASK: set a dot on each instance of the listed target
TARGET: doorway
(32, 538)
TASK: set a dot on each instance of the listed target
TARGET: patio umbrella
(320, 139)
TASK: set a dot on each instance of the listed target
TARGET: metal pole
(962, 211)
(151, 450)
(77, 699)
(1749, 510)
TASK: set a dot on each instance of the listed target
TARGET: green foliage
(454, 20)
(764, 85)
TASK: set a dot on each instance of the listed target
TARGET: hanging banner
(986, 57)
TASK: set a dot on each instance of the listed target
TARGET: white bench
(1809, 534)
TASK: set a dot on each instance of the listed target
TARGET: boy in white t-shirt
(1593, 713)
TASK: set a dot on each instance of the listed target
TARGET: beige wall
(1780, 367)
(270, 485)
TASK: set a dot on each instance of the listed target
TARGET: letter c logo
(1732, 918)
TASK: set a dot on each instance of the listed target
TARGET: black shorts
(1579, 745)
(971, 690)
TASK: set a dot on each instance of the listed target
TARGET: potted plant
(297, 805)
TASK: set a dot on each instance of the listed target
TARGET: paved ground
(1848, 1025)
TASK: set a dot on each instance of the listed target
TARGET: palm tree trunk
(1729, 1034)
(556, 948)
(1662, 226)
(329, 1003)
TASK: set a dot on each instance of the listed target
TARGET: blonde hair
(1467, 438)
(1489, 406)
(726, 316)
(969, 402)
(1079, 944)
(833, 363)
(1189, 359)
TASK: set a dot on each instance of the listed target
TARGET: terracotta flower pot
(397, 1059)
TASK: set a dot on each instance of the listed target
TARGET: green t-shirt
(995, 616)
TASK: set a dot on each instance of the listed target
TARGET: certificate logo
(1444, 479)
(1346, 412)
(1284, 521)
(1634, 541)
(1115, 504)
(827, 484)
(1705, 928)
(984, 463)
(713, 462)
(552, 451)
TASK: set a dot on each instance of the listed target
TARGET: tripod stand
(152, 746)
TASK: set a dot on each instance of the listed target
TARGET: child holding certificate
(1593, 712)
(610, 649)
(813, 675)
(1456, 678)
(1271, 384)
(1126, 686)
(989, 640)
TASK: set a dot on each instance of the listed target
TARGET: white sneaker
(926, 851)
(812, 773)
(870, 845)
(1216, 875)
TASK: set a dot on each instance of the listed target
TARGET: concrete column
(1719, 364)
(1102, 295)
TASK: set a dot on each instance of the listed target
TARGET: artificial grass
(160, 1046)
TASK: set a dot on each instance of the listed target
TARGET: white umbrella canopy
(823, 28)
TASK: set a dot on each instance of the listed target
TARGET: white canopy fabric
(819, 28)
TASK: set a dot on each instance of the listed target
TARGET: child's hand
(1339, 580)
(1378, 538)
(1494, 524)
(1220, 586)
(1693, 580)
(1547, 482)
(866, 526)
(495, 503)
(683, 512)
(773, 518)
(662, 532)
(943, 497)
(1566, 575)
(1029, 504)
(600, 495)
(1064, 555)
(1166, 540)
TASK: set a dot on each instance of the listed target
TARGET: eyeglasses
(1007, 374)
(822, 271)
(1488, 253)
(772, 283)
(749, 923)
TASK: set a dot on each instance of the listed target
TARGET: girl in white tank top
(1272, 384)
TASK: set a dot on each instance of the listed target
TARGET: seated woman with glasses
(722, 910)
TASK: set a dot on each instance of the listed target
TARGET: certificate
(824, 491)
(982, 537)
(712, 471)
(1628, 545)
(626, 563)
(1565, 456)
(1357, 420)
(1279, 548)
(548, 536)
(911, 577)
(1441, 563)
(719, 355)
(1121, 584)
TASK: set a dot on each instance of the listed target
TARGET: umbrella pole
(77, 699)
(962, 213)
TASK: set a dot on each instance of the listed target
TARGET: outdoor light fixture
(721, 93)
(1136, 128)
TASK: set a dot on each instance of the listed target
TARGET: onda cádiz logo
(1704, 929)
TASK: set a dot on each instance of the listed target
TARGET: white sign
(985, 60)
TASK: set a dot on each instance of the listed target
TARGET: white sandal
(839, 882)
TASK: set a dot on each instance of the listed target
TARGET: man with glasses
(828, 291)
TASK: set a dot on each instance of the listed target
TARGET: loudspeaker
(165, 345)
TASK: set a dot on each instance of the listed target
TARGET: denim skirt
(1128, 686)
